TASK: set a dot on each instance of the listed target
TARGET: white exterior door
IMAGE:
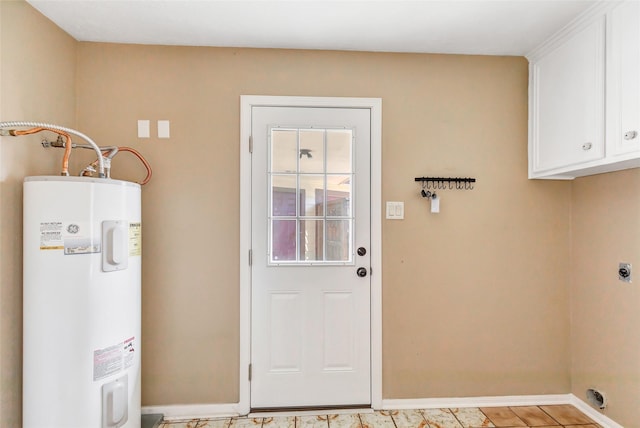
(310, 271)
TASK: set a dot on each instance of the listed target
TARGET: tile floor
(557, 416)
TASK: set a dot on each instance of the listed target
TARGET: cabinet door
(568, 102)
(623, 79)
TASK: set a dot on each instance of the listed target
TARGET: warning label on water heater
(51, 235)
(135, 239)
(113, 359)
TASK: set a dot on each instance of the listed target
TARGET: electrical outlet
(624, 272)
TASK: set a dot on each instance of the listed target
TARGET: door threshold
(309, 411)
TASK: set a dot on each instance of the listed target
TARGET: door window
(311, 193)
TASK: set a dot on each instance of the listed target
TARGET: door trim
(375, 105)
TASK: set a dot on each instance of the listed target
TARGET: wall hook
(442, 183)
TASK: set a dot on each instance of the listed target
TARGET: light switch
(395, 210)
(143, 129)
(163, 129)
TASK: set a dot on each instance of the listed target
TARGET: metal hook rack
(441, 183)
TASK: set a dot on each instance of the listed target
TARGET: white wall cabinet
(623, 79)
(584, 95)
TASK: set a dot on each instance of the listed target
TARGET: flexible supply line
(110, 152)
(58, 128)
(107, 154)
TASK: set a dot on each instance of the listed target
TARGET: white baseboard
(505, 401)
(598, 417)
(502, 401)
(193, 411)
(212, 411)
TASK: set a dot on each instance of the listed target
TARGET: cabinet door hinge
(250, 143)
(250, 370)
(250, 257)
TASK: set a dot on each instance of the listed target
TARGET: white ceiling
(490, 27)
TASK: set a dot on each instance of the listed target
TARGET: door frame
(375, 106)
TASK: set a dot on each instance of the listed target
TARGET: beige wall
(475, 298)
(604, 311)
(38, 64)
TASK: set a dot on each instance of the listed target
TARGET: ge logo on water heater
(73, 228)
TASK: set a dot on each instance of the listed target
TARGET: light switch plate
(163, 129)
(395, 210)
(143, 129)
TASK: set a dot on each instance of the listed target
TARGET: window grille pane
(312, 195)
(283, 243)
(311, 240)
(338, 196)
(284, 150)
(339, 151)
(312, 150)
(283, 195)
(338, 240)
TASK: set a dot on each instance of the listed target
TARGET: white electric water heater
(82, 272)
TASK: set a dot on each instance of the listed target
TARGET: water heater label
(113, 359)
(135, 239)
(72, 237)
(81, 246)
(51, 235)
